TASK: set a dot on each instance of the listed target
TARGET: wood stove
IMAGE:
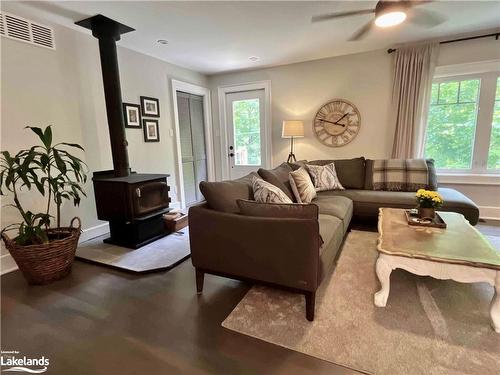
(133, 203)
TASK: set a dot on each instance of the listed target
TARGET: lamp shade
(292, 128)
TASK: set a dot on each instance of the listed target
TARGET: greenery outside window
(463, 126)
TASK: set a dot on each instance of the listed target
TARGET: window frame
(488, 73)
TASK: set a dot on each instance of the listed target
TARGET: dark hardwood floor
(103, 321)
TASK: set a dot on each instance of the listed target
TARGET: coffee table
(458, 252)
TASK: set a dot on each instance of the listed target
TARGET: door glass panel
(246, 130)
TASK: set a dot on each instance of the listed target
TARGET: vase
(426, 212)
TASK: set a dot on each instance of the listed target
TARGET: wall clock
(337, 123)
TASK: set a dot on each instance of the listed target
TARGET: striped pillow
(264, 192)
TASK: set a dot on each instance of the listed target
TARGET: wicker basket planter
(42, 264)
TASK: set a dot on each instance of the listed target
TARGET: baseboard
(489, 212)
(7, 264)
(93, 232)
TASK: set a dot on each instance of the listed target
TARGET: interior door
(246, 132)
(193, 148)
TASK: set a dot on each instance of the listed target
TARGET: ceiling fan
(389, 13)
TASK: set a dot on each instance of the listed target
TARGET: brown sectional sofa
(289, 246)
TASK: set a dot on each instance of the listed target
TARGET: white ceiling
(213, 37)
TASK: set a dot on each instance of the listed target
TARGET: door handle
(231, 154)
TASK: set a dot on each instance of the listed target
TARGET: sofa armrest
(283, 251)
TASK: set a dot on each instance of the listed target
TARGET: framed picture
(151, 133)
(150, 107)
(132, 114)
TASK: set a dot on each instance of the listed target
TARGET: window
(463, 126)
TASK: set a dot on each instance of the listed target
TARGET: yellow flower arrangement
(429, 199)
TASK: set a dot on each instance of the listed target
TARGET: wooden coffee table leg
(383, 270)
(495, 305)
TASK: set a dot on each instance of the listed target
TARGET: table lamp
(292, 129)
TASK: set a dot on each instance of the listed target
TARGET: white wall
(64, 88)
(298, 90)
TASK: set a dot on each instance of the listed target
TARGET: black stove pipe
(108, 32)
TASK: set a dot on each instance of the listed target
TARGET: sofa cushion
(324, 177)
(222, 196)
(338, 206)
(351, 172)
(367, 202)
(302, 186)
(283, 210)
(279, 177)
(331, 231)
(265, 192)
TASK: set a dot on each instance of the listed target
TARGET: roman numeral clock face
(337, 123)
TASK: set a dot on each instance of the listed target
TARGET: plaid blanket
(400, 174)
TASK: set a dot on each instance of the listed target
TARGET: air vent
(24, 30)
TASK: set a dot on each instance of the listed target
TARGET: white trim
(467, 68)
(222, 91)
(468, 179)
(7, 264)
(489, 212)
(207, 113)
(93, 232)
(175, 205)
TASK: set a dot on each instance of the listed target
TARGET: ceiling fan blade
(421, 2)
(425, 17)
(331, 16)
(361, 33)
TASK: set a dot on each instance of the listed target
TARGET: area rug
(428, 326)
(159, 255)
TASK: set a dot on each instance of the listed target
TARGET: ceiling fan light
(390, 19)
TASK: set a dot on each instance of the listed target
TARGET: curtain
(413, 73)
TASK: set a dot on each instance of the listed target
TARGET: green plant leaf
(47, 135)
(37, 131)
(71, 145)
(61, 165)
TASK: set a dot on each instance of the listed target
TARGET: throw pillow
(264, 192)
(400, 174)
(222, 195)
(431, 169)
(278, 177)
(302, 186)
(324, 177)
(351, 172)
(282, 210)
(297, 164)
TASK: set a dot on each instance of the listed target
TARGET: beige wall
(298, 90)
(64, 88)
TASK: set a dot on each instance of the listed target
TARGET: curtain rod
(496, 35)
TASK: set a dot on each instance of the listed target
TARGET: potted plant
(43, 252)
(428, 201)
